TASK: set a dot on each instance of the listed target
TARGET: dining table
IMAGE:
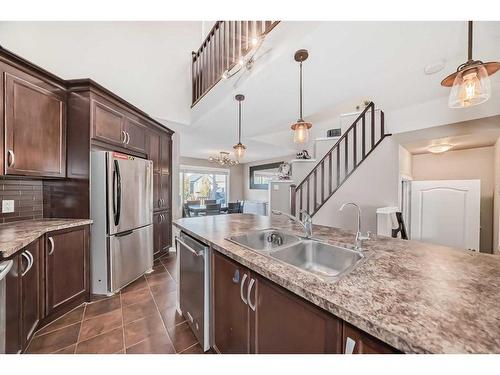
(197, 209)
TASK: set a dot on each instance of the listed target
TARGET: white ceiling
(146, 63)
(348, 62)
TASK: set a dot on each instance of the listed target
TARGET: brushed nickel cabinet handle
(11, 159)
(124, 141)
(159, 202)
(27, 255)
(349, 346)
(128, 137)
(242, 285)
(52, 246)
(249, 290)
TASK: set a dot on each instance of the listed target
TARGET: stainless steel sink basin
(326, 261)
(265, 240)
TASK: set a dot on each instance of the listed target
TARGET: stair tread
(302, 160)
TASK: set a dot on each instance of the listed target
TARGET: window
(200, 184)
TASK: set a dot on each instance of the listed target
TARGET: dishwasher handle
(5, 268)
(198, 254)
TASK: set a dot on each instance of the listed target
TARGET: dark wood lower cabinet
(162, 233)
(13, 319)
(231, 316)
(67, 274)
(251, 314)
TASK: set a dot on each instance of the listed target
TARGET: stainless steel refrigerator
(121, 195)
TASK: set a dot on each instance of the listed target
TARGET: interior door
(446, 212)
(130, 192)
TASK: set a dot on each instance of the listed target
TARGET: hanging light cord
(239, 121)
(469, 55)
(300, 90)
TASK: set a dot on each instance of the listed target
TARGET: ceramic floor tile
(158, 344)
(71, 317)
(136, 296)
(138, 311)
(164, 298)
(137, 284)
(100, 324)
(171, 317)
(109, 342)
(141, 329)
(68, 350)
(195, 349)
(160, 279)
(182, 337)
(157, 269)
(102, 307)
(56, 340)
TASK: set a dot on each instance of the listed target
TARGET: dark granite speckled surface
(417, 297)
(15, 236)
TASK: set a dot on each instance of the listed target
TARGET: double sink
(323, 260)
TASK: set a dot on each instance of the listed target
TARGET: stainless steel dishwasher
(4, 270)
(194, 286)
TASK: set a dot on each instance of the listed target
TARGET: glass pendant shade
(301, 132)
(470, 87)
(239, 151)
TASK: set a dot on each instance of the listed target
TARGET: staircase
(346, 155)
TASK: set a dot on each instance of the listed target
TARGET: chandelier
(223, 159)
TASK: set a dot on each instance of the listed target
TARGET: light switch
(276, 187)
(7, 206)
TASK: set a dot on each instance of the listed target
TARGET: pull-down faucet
(306, 222)
(358, 242)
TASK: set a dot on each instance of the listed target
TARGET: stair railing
(346, 155)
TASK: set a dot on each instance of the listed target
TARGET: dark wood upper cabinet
(231, 317)
(166, 154)
(154, 150)
(165, 191)
(136, 136)
(107, 124)
(67, 266)
(31, 291)
(35, 125)
(356, 341)
(286, 324)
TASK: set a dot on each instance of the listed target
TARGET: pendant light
(239, 148)
(470, 84)
(301, 128)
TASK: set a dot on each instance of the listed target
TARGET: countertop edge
(363, 324)
(10, 251)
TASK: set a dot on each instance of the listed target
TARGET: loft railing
(226, 43)
(328, 175)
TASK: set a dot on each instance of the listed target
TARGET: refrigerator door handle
(118, 190)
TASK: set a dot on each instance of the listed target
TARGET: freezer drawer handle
(123, 234)
(117, 207)
(198, 254)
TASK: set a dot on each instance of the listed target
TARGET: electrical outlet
(7, 206)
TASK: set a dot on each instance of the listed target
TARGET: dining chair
(241, 203)
(212, 209)
(185, 210)
(233, 208)
(210, 201)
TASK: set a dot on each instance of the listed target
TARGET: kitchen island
(413, 296)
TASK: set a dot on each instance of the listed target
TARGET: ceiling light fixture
(223, 159)
(301, 128)
(245, 61)
(439, 149)
(470, 84)
(239, 148)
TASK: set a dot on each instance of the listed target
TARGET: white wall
(496, 209)
(475, 163)
(146, 63)
(373, 185)
(235, 175)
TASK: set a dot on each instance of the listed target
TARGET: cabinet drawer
(136, 136)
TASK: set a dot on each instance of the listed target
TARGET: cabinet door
(67, 266)
(157, 227)
(154, 150)
(356, 341)
(13, 342)
(166, 153)
(35, 125)
(31, 291)
(286, 324)
(166, 231)
(165, 191)
(231, 327)
(157, 203)
(136, 135)
(107, 124)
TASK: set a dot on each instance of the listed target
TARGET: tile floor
(141, 319)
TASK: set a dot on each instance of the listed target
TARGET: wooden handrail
(226, 43)
(350, 158)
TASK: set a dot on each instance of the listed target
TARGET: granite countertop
(15, 236)
(415, 296)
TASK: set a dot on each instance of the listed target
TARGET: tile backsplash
(27, 196)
